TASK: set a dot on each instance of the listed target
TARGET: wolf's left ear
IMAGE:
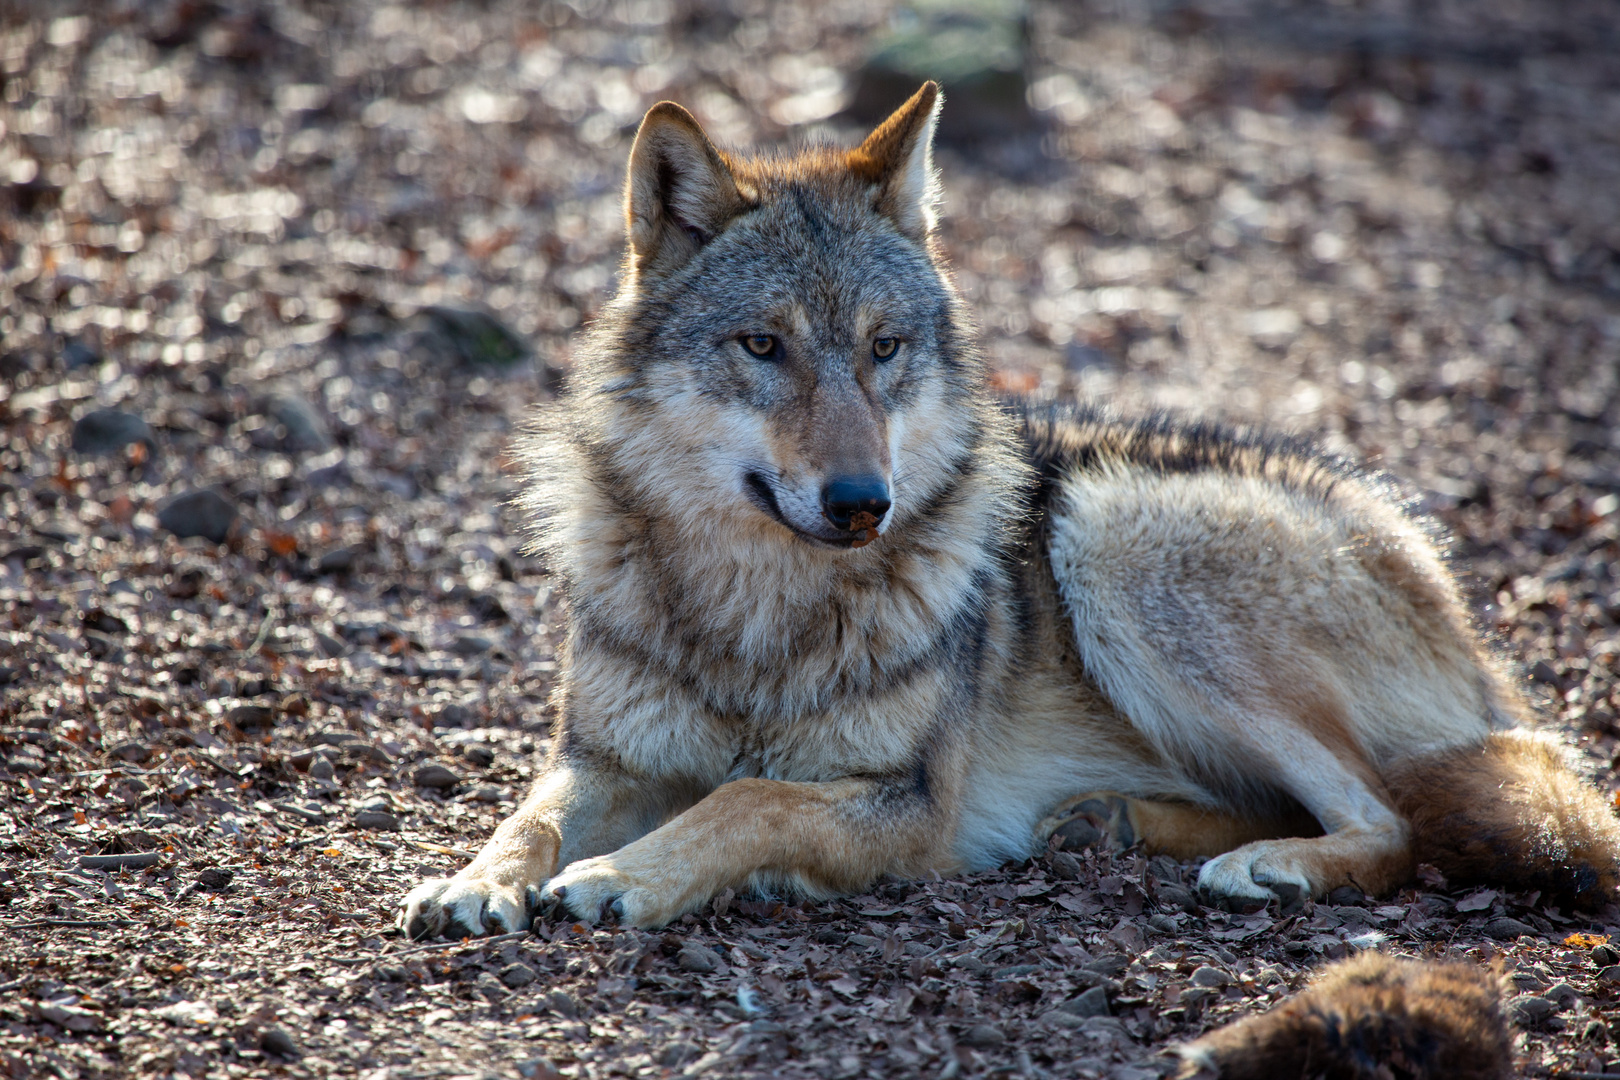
(679, 192)
(898, 158)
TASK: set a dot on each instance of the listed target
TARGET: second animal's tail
(1512, 813)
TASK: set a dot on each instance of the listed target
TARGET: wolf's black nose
(847, 496)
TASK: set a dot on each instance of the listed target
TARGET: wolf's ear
(898, 157)
(679, 192)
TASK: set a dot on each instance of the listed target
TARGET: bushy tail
(1511, 813)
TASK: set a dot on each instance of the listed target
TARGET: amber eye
(760, 344)
(885, 347)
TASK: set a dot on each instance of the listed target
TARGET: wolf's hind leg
(1177, 829)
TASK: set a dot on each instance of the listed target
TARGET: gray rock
(974, 48)
(516, 975)
(380, 820)
(1176, 897)
(563, 1003)
(321, 767)
(1506, 929)
(276, 1041)
(108, 431)
(205, 513)
(255, 717)
(133, 751)
(129, 861)
(471, 645)
(76, 354)
(337, 561)
(70, 1017)
(1209, 976)
(676, 1054)
(435, 776)
(698, 959)
(1065, 866)
(304, 427)
(983, 1035)
(476, 336)
(1093, 1002)
(215, 877)
(1529, 1010)
(479, 755)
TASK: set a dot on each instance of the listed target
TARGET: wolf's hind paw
(1093, 818)
(1251, 875)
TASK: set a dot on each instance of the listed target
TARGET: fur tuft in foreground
(1370, 1018)
(1511, 813)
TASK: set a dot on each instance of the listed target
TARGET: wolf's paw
(461, 907)
(1255, 874)
(595, 890)
(1093, 818)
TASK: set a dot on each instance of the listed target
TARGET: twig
(439, 946)
(80, 923)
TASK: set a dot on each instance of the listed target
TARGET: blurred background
(280, 280)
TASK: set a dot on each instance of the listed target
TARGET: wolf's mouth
(762, 495)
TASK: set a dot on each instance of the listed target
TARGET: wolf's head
(785, 358)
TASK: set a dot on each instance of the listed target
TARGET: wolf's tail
(1512, 813)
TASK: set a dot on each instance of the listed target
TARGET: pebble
(482, 756)
(305, 428)
(1209, 976)
(376, 819)
(563, 1003)
(251, 716)
(70, 1017)
(1176, 897)
(476, 336)
(129, 861)
(278, 1042)
(983, 1035)
(204, 513)
(1506, 929)
(516, 975)
(1093, 1002)
(76, 354)
(698, 959)
(1529, 1009)
(1065, 866)
(134, 751)
(215, 877)
(435, 776)
(321, 767)
(108, 431)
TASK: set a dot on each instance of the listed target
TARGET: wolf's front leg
(819, 839)
(577, 808)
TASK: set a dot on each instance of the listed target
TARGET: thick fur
(1370, 1018)
(1206, 641)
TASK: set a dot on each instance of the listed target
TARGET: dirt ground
(316, 261)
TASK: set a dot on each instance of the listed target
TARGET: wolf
(834, 611)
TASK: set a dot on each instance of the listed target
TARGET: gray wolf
(836, 612)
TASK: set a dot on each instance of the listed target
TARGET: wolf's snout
(847, 496)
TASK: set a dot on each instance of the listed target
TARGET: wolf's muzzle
(846, 496)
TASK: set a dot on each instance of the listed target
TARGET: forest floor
(312, 263)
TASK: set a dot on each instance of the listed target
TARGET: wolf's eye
(885, 347)
(760, 344)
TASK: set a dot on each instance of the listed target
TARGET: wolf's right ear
(679, 193)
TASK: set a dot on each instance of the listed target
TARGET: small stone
(1177, 898)
(487, 793)
(1065, 866)
(278, 1042)
(128, 861)
(255, 717)
(698, 959)
(133, 751)
(435, 776)
(215, 877)
(454, 715)
(1506, 929)
(1093, 1002)
(76, 354)
(321, 767)
(471, 645)
(305, 429)
(538, 1069)
(1209, 976)
(1346, 895)
(337, 561)
(1605, 955)
(1610, 974)
(983, 1035)
(476, 336)
(205, 513)
(563, 1003)
(676, 1054)
(70, 1017)
(479, 755)
(108, 431)
(380, 820)
(1529, 1010)
(516, 975)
